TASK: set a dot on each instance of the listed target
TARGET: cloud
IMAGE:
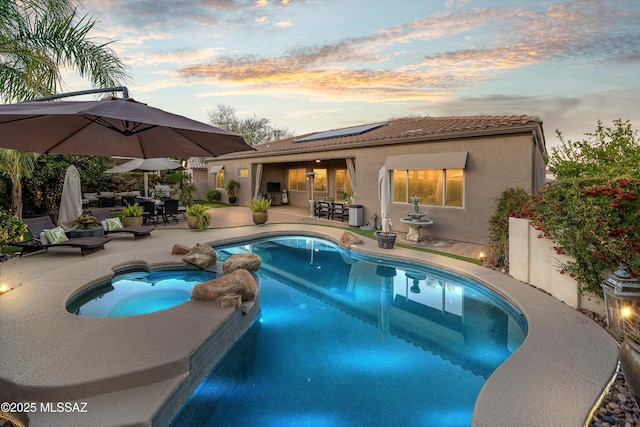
(571, 115)
(283, 24)
(359, 67)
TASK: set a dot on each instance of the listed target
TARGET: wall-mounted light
(317, 160)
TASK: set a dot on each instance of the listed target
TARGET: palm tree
(39, 38)
(18, 165)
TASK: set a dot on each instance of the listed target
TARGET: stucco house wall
(494, 162)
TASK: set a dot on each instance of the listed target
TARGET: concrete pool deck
(125, 369)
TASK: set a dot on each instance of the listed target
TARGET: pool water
(140, 292)
(346, 339)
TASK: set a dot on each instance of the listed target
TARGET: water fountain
(415, 220)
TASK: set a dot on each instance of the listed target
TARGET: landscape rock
(179, 249)
(249, 262)
(349, 239)
(201, 256)
(238, 282)
(234, 300)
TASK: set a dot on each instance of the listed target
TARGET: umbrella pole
(146, 184)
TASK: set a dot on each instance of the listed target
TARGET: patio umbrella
(71, 201)
(145, 165)
(384, 194)
(110, 127)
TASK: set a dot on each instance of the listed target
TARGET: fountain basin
(415, 216)
(414, 228)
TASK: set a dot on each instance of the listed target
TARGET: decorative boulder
(349, 239)
(238, 282)
(179, 250)
(231, 300)
(201, 256)
(250, 262)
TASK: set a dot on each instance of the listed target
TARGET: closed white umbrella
(71, 201)
(384, 194)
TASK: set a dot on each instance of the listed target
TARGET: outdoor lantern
(622, 301)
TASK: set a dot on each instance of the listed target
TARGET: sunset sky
(313, 65)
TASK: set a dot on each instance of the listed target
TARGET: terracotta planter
(131, 221)
(260, 218)
(192, 222)
(630, 362)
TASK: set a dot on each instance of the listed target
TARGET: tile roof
(405, 130)
(196, 163)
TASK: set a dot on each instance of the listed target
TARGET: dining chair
(171, 211)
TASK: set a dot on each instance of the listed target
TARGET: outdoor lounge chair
(37, 226)
(138, 232)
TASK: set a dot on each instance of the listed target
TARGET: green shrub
(186, 193)
(511, 200)
(595, 221)
(11, 228)
(213, 196)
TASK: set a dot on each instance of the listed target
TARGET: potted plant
(386, 239)
(259, 208)
(85, 220)
(231, 190)
(198, 217)
(132, 216)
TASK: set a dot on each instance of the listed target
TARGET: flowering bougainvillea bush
(595, 221)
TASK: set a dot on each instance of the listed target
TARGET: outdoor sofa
(46, 235)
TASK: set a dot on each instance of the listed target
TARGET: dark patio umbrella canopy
(111, 127)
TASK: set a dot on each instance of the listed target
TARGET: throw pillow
(114, 224)
(56, 235)
(43, 239)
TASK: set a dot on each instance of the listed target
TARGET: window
(243, 172)
(220, 179)
(320, 180)
(343, 184)
(297, 180)
(454, 187)
(436, 187)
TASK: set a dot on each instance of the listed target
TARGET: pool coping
(565, 358)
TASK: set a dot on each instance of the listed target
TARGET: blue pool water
(139, 292)
(346, 340)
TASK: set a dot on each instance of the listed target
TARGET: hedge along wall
(533, 260)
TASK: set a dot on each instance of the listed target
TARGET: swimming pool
(133, 293)
(345, 339)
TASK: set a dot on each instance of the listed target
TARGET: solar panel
(355, 130)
